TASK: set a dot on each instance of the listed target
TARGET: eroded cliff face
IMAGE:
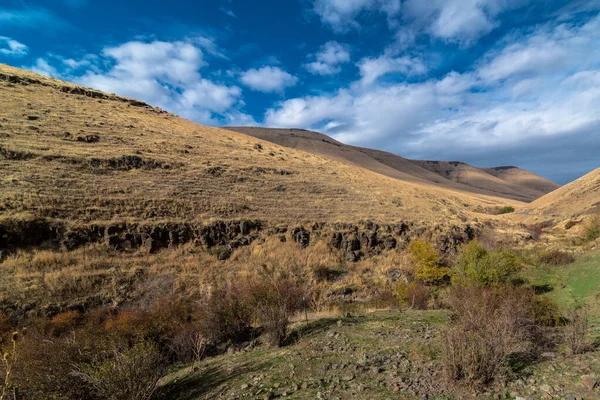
(354, 241)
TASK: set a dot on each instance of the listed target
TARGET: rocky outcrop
(355, 242)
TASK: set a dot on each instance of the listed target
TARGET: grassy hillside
(73, 153)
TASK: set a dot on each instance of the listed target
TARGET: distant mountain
(501, 182)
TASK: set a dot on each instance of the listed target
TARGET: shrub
(274, 302)
(479, 267)
(227, 316)
(546, 312)
(489, 325)
(592, 228)
(426, 260)
(556, 258)
(64, 322)
(576, 330)
(506, 210)
(132, 374)
(415, 295)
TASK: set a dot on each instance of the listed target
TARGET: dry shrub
(227, 316)
(415, 295)
(489, 325)
(63, 323)
(45, 366)
(576, 330)
(556, 257)
(274, 302)
(592, 228)
(132, 374)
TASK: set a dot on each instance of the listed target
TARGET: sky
(488, 82)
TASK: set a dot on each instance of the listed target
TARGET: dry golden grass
(190, 172)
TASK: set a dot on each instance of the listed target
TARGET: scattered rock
(88, 139)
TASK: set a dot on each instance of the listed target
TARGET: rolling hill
(577, 198)
(454, 176)
(79, 155)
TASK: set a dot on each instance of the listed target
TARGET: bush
(556, 258)
(274, 302)
(415, 295)
(426, 260)
(479, 267)
(489, 325)
(227, 316)
(592, 228)
(132, 374)
(506, 210)
(576, 330)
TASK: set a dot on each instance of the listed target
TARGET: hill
(523, 178)
(577, 198)
(74, 153)
(503, 181)
(457, 177)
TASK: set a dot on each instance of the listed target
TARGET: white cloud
(41, 66)
(328, 59)
(268, 79)
(165, 74)
(341, 15)
(372, 69)
(10, 47)
(459, 21)
(520, 104)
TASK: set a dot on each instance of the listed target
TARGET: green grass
(579, 281)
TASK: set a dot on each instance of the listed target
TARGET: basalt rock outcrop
(353, 241)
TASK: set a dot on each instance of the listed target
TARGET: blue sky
(489, 82)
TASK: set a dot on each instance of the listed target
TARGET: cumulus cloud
(268, 79)
(493, 113)
(165, 74)
(328, 59)
(461, 21)
(372, 69)
(10, 47)
(341, 15)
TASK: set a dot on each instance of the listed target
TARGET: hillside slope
(523, 178)
(450, 177)
(72, 153)
(529, 188)
(579, 197)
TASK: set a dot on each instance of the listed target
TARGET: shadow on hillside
(315, 327)
(542, 289)
(206, 380)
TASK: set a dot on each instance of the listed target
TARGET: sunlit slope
(579, 197)
(81, 155)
